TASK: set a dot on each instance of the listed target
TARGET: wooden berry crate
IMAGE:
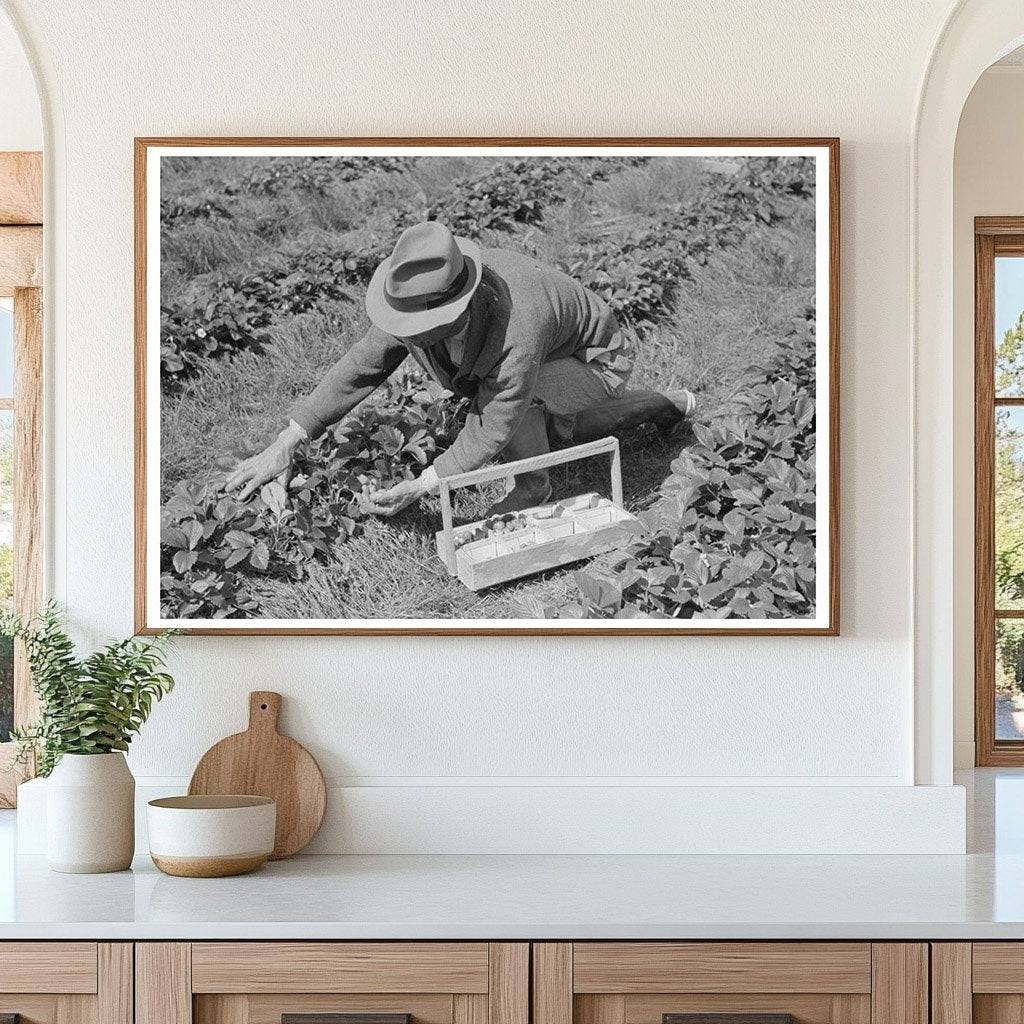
(555, 533)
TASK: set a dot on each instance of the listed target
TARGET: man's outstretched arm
(362, 369)
(357, 374)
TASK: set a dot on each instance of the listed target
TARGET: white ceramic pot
(211, 836)
(90, 814)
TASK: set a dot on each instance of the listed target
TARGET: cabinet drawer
(340, 967)
(630, 967)
(736, 982)
(262, 982)
(981, 982)
(48, 967)
(66, 982)
(270, 1009)
(998, 967)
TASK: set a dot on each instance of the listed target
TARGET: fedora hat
(425, 283)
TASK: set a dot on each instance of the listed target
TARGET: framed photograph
(487, 386)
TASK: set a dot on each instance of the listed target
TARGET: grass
(728, 318)
(638, 191)
(724, 320)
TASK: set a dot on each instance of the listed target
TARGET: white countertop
(532, 897)
(978, 896)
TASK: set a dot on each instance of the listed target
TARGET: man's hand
(394, 499)
(273, 463)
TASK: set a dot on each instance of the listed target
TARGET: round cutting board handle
(264, 710)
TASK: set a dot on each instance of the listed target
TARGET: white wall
(21, 125)
(988, 181)
(443, 713)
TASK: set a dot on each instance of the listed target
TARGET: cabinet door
(332, 983)
(66, 982)
(981, 982)
(737, 982)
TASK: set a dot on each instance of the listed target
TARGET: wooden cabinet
(260, 982)
(494, 983)
(647, 982)
(66, 982)
(980, 982)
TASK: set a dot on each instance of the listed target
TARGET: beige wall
(817, 710)
(989, 181)
(20, 118)
(445, 714)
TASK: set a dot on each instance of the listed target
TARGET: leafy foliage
(212, 544)
(517, 192)
(1010, 360)
(734, 534)
(205, 205)
(90, 705)
(637, 272)
(316, 173)
(6, 687)
(242, 310)
(510, 194)
(1009, 471)
(1009, 522)
(233, 320)
(302, 235)
(6, 573)
(1009, 657)
(1009, 509)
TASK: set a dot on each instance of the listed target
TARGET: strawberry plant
(241, 311)
(636, 272)
(517, 192)
(734, 534)
(235, 318)
(510, 193)
(316, 173)
(204, 205)
(212, 544)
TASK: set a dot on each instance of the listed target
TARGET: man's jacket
(523, 314)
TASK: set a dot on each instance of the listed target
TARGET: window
(21, 351)
(20, 492)
(6, 510)
(999, 490)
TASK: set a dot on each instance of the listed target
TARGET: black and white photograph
(462, 387)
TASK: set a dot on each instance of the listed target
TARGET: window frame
(21, 253)
(993, 237)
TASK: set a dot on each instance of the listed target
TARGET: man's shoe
(685, 401)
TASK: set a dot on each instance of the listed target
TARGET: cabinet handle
(728, 1018)
(337, 1018)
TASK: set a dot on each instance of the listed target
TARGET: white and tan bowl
(211, 836)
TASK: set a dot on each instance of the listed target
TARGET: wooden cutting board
(262, 762)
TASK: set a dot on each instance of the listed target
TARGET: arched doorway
(975, 35)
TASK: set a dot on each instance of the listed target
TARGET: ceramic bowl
(211, 836)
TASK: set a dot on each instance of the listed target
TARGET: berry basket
(508, 547)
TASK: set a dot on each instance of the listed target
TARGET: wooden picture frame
(826, 622)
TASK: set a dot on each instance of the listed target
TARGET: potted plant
(89, 709)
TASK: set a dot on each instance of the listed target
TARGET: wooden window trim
(28, 350)
(21, 255)
(993, 236)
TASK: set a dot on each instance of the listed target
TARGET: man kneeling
(540, 357)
